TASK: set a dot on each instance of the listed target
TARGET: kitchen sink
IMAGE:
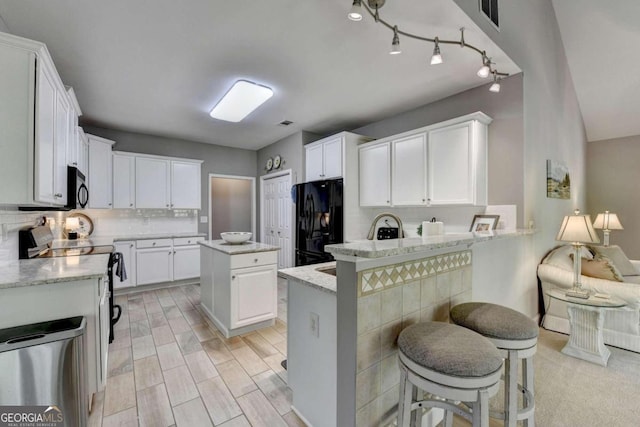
(327, 270)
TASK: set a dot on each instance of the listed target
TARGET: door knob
(58, 195)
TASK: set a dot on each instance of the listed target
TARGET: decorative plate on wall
(86, 225)
(269, 164)
(276, 162)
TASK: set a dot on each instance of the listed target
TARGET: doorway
(231, 204)
(276, 215)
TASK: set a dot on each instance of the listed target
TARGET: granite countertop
(309, 275)
(41, 271)
(134, 236)
(384, 248)
(243, 248)
(82, 243)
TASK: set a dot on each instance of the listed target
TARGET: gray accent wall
(217, 159)
(612, 179)
(3, 26)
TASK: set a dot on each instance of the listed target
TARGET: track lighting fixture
(495, 87)
(395, 44)
(485, 70)
(356, 11)
(436, 58)
(373, 8)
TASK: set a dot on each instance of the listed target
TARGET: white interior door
(277, 209)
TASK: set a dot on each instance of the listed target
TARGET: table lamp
(578, 230)
(606, 222)
(72, 224)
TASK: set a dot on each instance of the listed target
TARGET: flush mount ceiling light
(372, 7)
(243, 97)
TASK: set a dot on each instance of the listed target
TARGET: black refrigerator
(319, 220)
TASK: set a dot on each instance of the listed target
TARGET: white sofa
(621, 326)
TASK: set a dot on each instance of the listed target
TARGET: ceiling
(602, 44)
(159, 66)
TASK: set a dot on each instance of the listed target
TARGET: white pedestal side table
(586, 318)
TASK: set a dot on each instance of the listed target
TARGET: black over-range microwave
(77, 191)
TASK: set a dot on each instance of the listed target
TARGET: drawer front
(183, 241)
(253, 259)
(153, 243)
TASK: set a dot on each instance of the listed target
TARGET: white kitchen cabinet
(375, 174)
(186, 262)
(324, 158)
(100, 170)
(154, 265)
(153, 177)
(73, 143)
(185, 185)
(61, 141)
(45, 135)
(444, 164)
(458, 164)
(239, 291)
(124, 181)
(83, 152)
(128, 250)
(104, 319)
(409, 171)
(254, 295)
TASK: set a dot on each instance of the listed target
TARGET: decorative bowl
(236, 237)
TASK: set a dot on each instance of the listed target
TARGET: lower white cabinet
(186, 262)
(128, 251)
(254, 295)
(104, 320)
(154, 265)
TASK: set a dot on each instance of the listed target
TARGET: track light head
(436, 58)
(395, 44)
(355, 14)
(485, 70)
(495, 87)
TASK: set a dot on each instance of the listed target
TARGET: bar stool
(451, 364)
(516, 337)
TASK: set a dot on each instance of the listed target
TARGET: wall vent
(285, 123)
(489, 9)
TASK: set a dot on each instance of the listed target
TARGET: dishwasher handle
(25, 338)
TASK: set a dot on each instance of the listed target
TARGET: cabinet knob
(75, 163)
(423, 200)
(153, 244)
(255, 260)
(131, 245)
(169, 252)
(171, 204)
(58, 195)
(109, 204)
(130, 205)
(387, 201)
(278, 233)
(271, 231)
(233, 277)
(167, 205)
(174, 252)
(188, 241)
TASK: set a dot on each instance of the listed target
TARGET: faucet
(372, 230)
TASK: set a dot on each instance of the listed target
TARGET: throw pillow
(618, 257)
(600, 268)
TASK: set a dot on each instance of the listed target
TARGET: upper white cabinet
(375, 174)
(124, 181)
(458, 164)
(74, 151)
(35, 125)
(153, 177)
(185, 184)
(409, 170)
(100, 169)
(444, 164)
(324, 158)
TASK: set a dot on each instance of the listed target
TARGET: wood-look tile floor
(169, 365)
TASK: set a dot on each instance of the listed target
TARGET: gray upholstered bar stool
(451, 364)
(516, 337)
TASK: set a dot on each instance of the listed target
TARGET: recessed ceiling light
(243, 97)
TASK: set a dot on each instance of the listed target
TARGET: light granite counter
(235, 249)
(82, 243)
(311, 276)
(139, 236)
(41, 271)
(387, 248)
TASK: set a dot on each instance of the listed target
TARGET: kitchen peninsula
(239, 285)
(342, 356)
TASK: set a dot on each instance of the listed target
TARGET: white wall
(612, 178)
(3, 26)
(553, 129)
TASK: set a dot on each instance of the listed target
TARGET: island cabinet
(239, 286)
(444, 164)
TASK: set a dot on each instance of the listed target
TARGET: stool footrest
(443, 404)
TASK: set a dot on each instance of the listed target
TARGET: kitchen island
(239, 285)
(342, 331)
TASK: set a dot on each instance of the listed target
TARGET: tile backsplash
(116, 222)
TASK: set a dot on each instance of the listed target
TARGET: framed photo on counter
(484, 223)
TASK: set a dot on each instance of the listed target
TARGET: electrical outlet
(314, 324)
(204, 219)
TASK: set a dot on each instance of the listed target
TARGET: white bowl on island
(236, 237)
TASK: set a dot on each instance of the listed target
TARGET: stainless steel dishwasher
(43, 364)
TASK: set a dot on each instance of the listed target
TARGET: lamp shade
(577, 229)
(72, 223)
(607, 221)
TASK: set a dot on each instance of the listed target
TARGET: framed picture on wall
(484, 223)
(558, 180)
